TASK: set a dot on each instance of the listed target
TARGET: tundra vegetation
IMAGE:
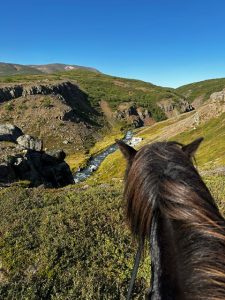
(73, 243)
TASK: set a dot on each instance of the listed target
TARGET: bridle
(135, 268)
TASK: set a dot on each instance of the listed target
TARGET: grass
(202, 88)
(211, 153)
(114, 90)
(66, 244)
(106, 141)
(77, 160)
(71, 243)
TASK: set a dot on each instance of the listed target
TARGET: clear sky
(166, 42)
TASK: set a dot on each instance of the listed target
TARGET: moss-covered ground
(66, 244)
(73, 243)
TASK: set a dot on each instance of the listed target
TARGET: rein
(135, 269)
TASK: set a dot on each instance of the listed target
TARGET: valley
(72, 242)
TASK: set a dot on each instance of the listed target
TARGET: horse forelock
(144, 178)
(162, 178)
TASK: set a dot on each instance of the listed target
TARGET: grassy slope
(69, 244)
(201, 89)
(112, 89)
(210, 155)
(99, 87)
(73, 243)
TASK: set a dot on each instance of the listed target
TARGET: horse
(167, 202)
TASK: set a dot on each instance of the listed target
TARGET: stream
(96, 161)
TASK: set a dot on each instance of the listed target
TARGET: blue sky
(166, 42)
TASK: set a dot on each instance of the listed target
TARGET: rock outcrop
(218, 96)
(69, 92)
(38, 167)
(60, 113)
(28, 142)
(172, 108)
(29, 162)
(16, 91)
(137, 116)
(9, 132)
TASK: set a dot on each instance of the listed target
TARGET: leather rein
(135, 269)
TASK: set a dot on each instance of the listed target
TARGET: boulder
(38, 167)
(28, 142)
(59, 155)
(9, 132)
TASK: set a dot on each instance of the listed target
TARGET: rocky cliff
(67, 115)
(60, 113)
(139, 116)
(134, 115)
(173, 108)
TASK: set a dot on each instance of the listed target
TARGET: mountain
(57, 67)
(8, 69)
(15, 69)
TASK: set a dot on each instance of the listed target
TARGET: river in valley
(96, 161)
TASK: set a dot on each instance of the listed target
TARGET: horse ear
(191, 148)
(128, 151)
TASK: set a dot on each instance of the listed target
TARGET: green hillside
(73, 243)
(112, 89)
(14, 69)
(66, 244)
(210, 156)
(201, 89)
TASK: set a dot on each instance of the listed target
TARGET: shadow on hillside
(82, 109)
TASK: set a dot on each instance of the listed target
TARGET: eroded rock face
(218, 96)
(28, 142)
(69, 91)
(132, 114)
(172, 108)
(9, 132)
(75, 103)
(12, 92)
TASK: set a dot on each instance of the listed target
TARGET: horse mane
(161, 179)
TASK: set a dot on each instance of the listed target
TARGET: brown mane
(162, 186)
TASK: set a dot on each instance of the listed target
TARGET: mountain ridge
(8, 69)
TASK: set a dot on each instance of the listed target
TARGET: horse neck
(165, 279)
(186, 263)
